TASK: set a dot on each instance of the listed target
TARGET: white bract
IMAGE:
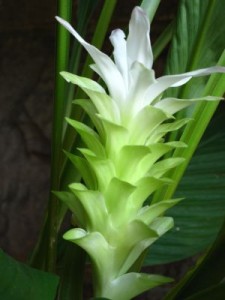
(122, 164)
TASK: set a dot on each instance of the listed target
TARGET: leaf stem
(163, 40)
(62, 56)
(150, 7)
(44, 254)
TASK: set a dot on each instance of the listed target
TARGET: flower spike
(123, 158)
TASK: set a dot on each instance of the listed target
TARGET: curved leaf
(18, 281)
(196, 43)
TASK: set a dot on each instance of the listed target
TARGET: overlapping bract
(122, 163)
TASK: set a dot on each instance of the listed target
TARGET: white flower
(130, 79)
(122, 164)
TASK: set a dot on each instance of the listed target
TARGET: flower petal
(97, 247)
(84, 169)
(140, 80)
(162, 224)
(144, 124)
(129, 162)
(173, 105)
(167, 81)
(161, 167)
(103, 168)
(164, 128)
(145, 187)
(117, 39)
(89, 136)
(148, 213)
(117, 201)
(94, 206)
(82, 82)
(138, 40)
(138, 237)
(130, 285)
(106, 68)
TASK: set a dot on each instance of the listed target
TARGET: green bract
(123, 164)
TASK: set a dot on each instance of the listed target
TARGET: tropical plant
(136, 137)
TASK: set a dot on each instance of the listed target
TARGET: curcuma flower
(123, 164)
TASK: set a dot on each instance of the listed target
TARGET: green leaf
(82, 82)
(173, 105)
(100, 298)
(200, 215)
(145, 187)
(120, 192)
(144, 123)
(196, 43)
(148, 213)
(116, 136)
(150, 7)
(93, 204)
(103, 168)
(162, 224)
(133, 162)
(74, 205)
(84, 12)
(129, 285)
(89, 136)
(72, 267)
(139, 236)
(84, 169)
(20, 282)
(105, 105)
(208, 272)
(216, 292)
(161, 167)
(167, 127)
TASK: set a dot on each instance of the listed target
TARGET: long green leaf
(20, 282)
(196, 43)
(150, 7)
(208, 273)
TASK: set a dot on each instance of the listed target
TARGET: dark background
(27, 49)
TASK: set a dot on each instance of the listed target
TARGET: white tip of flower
(61, 21)
(138, 40)
(117, 38)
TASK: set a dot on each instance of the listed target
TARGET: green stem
(62, 56)
(72, 273)
(48, 239)
(163, 40)
(150, 7)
